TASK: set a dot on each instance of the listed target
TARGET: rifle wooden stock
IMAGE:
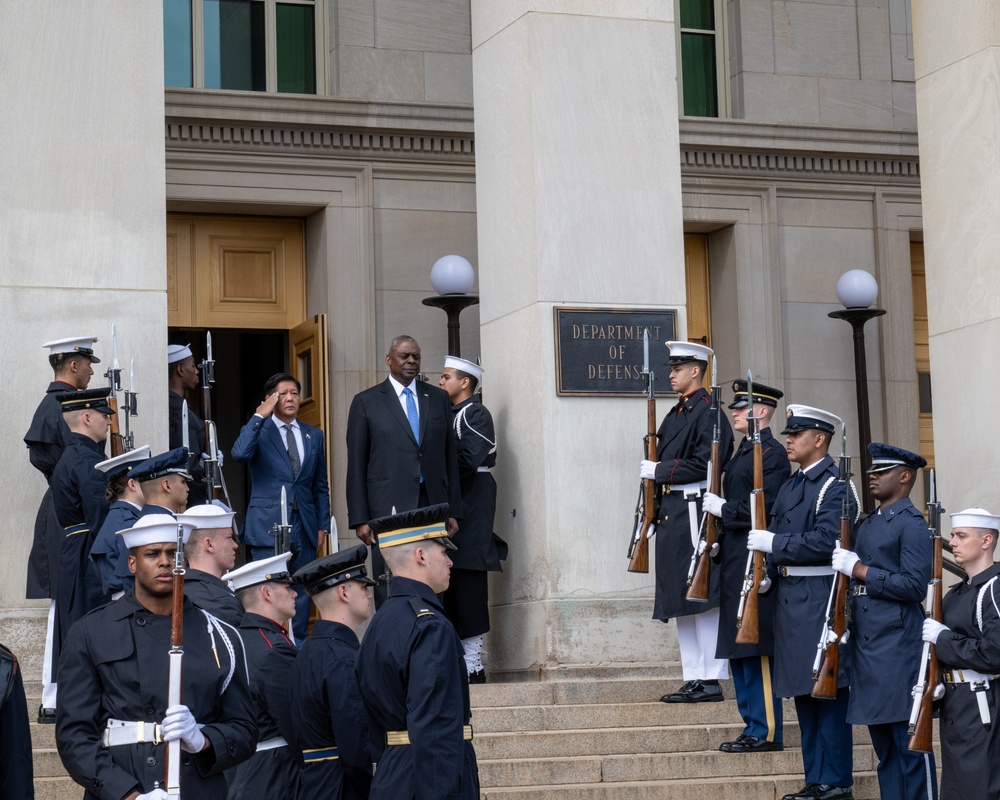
(698, 591)
(172, 764)
(114, 431)
(749, 628)
(638, 560)
(921, 732)
(825, 683)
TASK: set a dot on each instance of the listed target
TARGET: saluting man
(889, 568)
(752, 665)
(804, 528)
(684, 447)
(968, 647)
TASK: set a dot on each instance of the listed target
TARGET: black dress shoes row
(696, 692)
(750, 744)
(821, 791)
(479, 676)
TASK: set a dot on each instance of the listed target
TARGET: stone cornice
(733, 148)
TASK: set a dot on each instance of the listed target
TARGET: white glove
(702, 545)
(156, 794)
(938, 691)
(713, 504)
(647, 470)
(649, 531)
(831, 636)
(932, 629)
(760, 540)
(179, 723)
(844, 561)
(207, 457)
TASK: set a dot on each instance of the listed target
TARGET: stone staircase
(577, 735)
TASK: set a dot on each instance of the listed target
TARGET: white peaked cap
(689, 351)
(274, 568)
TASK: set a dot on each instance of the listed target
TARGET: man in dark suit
(400, 453)
(183, 377)
(284, 452)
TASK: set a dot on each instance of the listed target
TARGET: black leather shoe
(804, 793)
(751, 744)
(821, 791)
(479, 676)
(46, 716)
(727, 747)
(696, 692)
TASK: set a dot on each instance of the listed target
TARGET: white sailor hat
(178, 352)
(154, 529)
(267, 570)
(804, 418)
(84, 345)
(685, 352)
(113, 467)
(468, 367)
(975, 518)
(207, 517)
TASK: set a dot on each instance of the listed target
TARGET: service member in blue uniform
(264, 589)
(183, 377)
(210, 553)
(16, 773)
(480, 550)
(889, 567)
(751, 665)
(164, 480)
(108, 553)
(684, 447)
(804, 528)
(411, 669)
(113, 718)
(968, 647)
(323, 697)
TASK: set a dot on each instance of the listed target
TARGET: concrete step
(47, 764)
(57, 789)
(580, 692)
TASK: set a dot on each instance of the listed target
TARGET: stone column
(82, 224)
(957, 54)
(578, 203)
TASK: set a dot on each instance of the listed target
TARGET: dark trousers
(466, 602)
(827, 743)
(901, 772)
(755, 699)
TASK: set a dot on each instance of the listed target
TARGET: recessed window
(248, 45)
(702, 57)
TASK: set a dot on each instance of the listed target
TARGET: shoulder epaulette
(421, 608)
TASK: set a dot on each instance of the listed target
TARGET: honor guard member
(751, 665)
(108, 553)
(968, 648)
(889, 568)
(164, 481)
(480, 550)
(210, 553)
(112, 720)
(265, 592)
(804, 528)
(411, 669)
(330, 724)
(71, 361)
(183, 377)
(684, 447)
(16, 773)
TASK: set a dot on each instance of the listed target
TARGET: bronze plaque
(599, 351)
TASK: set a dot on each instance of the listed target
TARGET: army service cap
(154, 529)
(686, 352)
(762, 395)
(975, 518)
(804, 418)
(267, 570)
(95, 399)
(80, 345)
(887, 456)
(126, 462)
(332, 570)
(429, 522)
(173, 462)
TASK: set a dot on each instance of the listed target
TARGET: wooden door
(699, 314)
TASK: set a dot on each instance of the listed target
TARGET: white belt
(271, 744)
(804, 572)
(688, 488)
(483, 469)
(120, 732)
(978, 683)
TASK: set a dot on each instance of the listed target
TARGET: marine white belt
(688, 488)
(271, 744)
(804, 572)
(968, 676)
(121, 732)
(484, 469)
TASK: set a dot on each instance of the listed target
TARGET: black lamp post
(857, 290)
(452, 277)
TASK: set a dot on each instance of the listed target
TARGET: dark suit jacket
(384, 461)
(261, 445)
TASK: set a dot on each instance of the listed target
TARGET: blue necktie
(411, 413)
(800, 476)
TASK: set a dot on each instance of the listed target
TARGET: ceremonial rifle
(215, 483)
(754, 581)
(282, 532)
(699, 573)
(929, 676)
(827, 664)
(176, 659)
(114, 376)
(130, 408)
(642, 523)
